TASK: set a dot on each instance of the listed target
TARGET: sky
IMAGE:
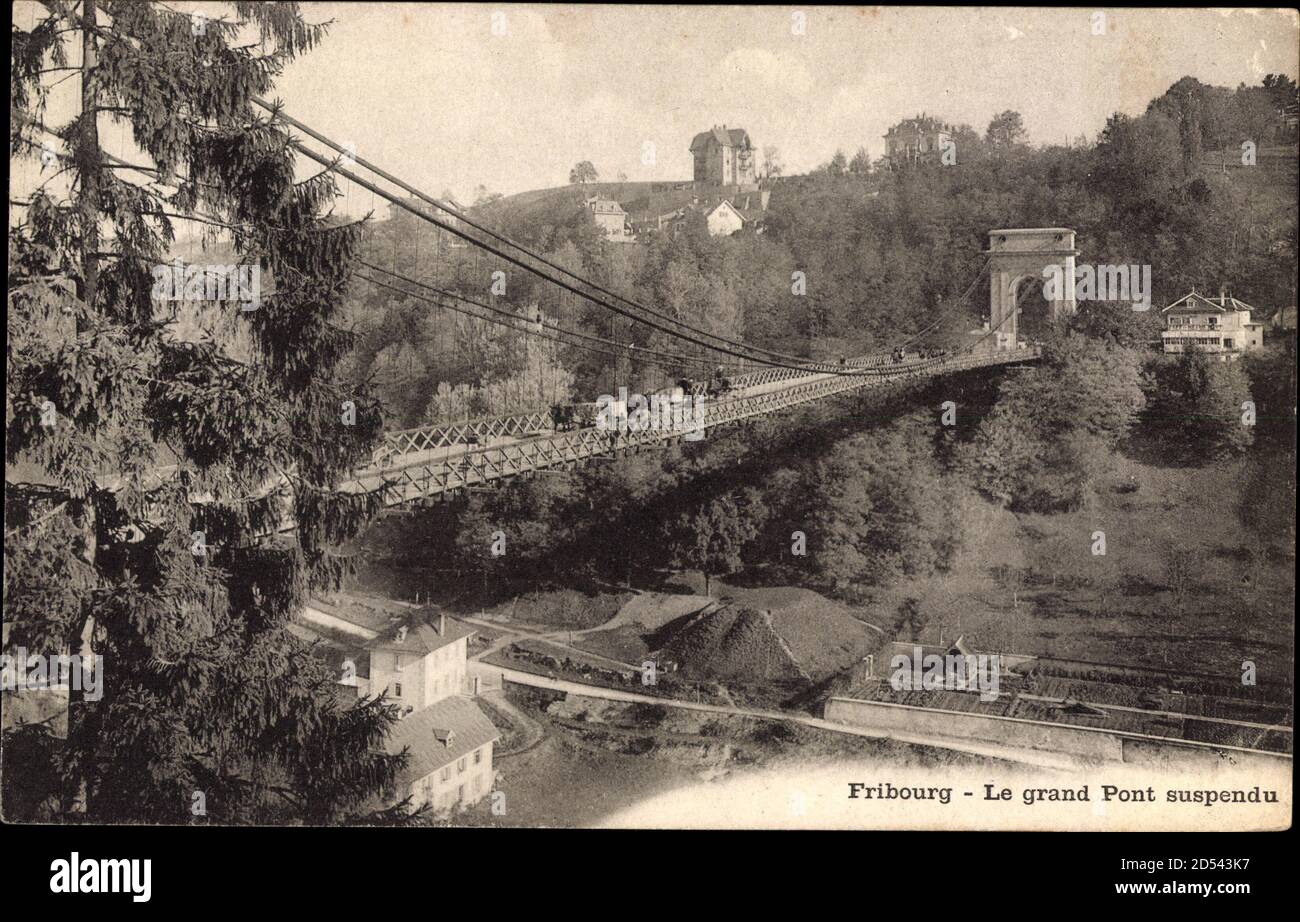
(451, 96)
(433, 91)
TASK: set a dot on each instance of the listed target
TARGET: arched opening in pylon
(1033, 310)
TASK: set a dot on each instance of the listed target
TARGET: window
(478, 756)
(397, 689)
(460, 766)
(1227, 344)
(446, 773)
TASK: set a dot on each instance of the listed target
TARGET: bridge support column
(1018, 254)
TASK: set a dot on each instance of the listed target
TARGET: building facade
(723, 219)
(420, 660)
(420, 664)
(1221, 326)
(916, 141)
(449, 755)
(724, 157)
(611, 218)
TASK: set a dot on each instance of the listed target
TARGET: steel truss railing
(431, 438)
(480, 431)
(481, 466)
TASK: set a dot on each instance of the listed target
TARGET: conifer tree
(170, 503)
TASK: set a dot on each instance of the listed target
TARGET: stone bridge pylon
(1017, 254)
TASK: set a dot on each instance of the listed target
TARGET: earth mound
(731, 642)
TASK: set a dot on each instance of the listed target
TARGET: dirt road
(497, 674)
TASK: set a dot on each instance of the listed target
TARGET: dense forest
(872, 483)
(884, 255)
(861, 491)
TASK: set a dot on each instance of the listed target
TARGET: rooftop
(420, 636)
(919, 124)
(1029, 231)
(726, 137)
(604, 205)
(439, 735)
(1199, 302)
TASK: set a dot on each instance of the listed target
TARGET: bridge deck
(428, 472)
(419, 464)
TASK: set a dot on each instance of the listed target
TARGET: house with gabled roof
(449, 749)
(1221, 326)
(611, 218)
(420, 663)
(419, 658)
(724, 218)
(415, 656)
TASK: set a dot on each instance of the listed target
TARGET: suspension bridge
(431, 461)
(427, 462)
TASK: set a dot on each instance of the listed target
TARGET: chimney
(1223, 294)
(442, 625)
(401, 633)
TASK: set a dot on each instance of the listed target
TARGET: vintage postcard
(649, 417)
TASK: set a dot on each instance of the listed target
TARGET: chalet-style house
(1221, 325)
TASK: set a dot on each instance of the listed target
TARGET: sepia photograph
(648, 417)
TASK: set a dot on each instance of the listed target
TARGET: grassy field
(1175, 588)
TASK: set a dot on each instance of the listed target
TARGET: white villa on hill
(1214, 325)
(612, 220)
